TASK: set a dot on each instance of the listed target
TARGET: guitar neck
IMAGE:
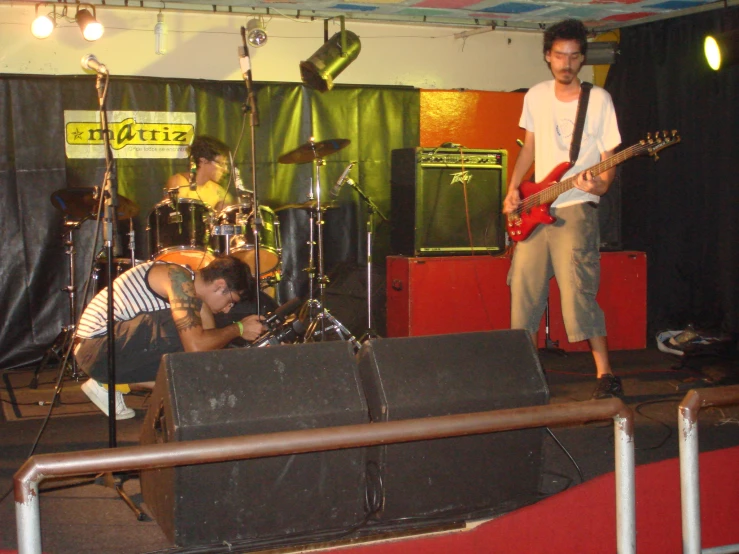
(550, 194)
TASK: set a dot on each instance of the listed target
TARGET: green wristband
(240, 326)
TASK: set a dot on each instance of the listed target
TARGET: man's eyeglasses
(230, 297)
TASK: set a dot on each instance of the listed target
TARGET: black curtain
(684, 210)
(33, 164)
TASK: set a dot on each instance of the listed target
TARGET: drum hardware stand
(372, 209)
(321, 321)
(63, 341)
(132, 242)
(327, 323)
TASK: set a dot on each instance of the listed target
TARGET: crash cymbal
(80, 203)
(308, 205)
(312, 150)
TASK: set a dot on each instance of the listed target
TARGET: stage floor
(81, 515)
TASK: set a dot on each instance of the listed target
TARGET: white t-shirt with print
(553, 123)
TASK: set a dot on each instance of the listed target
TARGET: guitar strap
(582, 109)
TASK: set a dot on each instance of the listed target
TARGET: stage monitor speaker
(278, 500)
(433, 191)
(454, 478)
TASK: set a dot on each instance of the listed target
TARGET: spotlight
(601, 53)
(43, 25)
(721, 49)
(91, 28)
(320, 70)
(256, 34)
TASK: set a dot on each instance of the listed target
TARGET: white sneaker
(99, 396)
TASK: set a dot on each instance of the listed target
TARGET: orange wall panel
(474, 119)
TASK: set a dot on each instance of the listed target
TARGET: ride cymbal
(80, 203)
(313, 150)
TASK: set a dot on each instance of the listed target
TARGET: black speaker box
(428, 376)
(248, 391)
(609, 216)
(429, 212)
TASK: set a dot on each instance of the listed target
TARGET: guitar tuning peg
(649, 137)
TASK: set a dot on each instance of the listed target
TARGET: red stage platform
(431, 296)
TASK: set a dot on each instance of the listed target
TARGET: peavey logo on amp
(131, 134)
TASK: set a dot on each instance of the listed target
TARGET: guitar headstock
(659, 141)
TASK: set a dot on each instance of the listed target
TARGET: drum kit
(188, 232)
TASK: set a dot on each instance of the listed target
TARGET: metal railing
(38, 468)
(687, 423)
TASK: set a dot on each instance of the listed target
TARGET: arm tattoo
(184, 304)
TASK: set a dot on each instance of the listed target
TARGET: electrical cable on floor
(667, 437)
(577, 467)
(68, 353)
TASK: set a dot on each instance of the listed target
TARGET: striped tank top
(132, 296)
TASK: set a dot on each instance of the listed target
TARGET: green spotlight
(712, 52)
(721, 49)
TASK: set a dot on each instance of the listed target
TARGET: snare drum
(180, 235)
(242, 242)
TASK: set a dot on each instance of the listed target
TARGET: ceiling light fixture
(43, 25)
(256, 33)
(160, 35)
(721, 49)
(91, 28)
(601, 53)
(320, 70)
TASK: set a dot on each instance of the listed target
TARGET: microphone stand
(251, 106)
(110, 191)
(372, 209)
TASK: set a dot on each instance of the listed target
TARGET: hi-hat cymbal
(80, 203)
(308, 205)
(313, 150)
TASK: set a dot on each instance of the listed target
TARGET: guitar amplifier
(446, 201)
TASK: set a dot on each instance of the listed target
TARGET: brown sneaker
(608, 386)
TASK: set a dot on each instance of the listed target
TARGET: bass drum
(180, 234)
(242, 243)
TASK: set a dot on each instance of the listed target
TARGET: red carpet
(582, 519)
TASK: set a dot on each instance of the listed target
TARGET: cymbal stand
(63, 340)
(372, 209)
(321, 320)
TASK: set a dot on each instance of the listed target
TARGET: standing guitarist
(567, 249)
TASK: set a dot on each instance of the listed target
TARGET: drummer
(208, 165)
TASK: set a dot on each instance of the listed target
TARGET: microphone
(279, 315)
(193, 171)
(91, 63)
(340, 183)
(245, 63)
(288, 333)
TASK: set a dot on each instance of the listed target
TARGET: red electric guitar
(537, 197)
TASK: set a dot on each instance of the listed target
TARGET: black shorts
(140, 344)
